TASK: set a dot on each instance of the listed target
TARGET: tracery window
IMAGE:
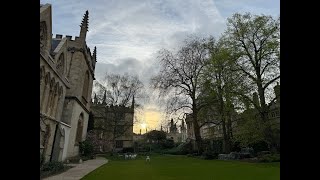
(79, 129)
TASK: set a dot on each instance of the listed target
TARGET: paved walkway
(80, 170)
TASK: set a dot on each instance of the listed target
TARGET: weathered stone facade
(175, 135)
(66, 76)
(113, 126)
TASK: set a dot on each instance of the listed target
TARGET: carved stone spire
(84, 26)
(94, 57)
(95, 54)
(95, 99)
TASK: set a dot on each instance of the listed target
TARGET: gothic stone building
(175, 134)
(66, 76)
(113, 126)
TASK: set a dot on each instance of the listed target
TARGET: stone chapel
(66, 78)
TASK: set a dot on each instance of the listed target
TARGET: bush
(209, 155)
(270, 158)
(167, 144)
(86, 148)
(259, 146)
(128, 150)
(182, 149)
(235, 147)
(217, 146)
(52, 166)
(262, 153)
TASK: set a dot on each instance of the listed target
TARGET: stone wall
(66, 80)
(77, 110)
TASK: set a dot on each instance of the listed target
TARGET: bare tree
(119, 89)
(112, 109)
(179, 79)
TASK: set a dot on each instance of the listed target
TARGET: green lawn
(168, 167)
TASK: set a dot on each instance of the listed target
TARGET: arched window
(60, 64)
(79, 129)
(50, 96)
(43, 35)
(85, 87)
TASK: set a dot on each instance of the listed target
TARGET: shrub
(217, 146)
(128, 150)
(86, 148)
(270, 158)
(259, 146)
(262, 153)
(182, 149)
(52, 166)
(167, 144)
(209, 155)
(235, 147)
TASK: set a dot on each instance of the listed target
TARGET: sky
(128, 33)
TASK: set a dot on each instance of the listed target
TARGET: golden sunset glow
(143, 125)
(149, 120)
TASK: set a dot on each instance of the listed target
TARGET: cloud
(130, 66)
(137, 29)
(128, 33)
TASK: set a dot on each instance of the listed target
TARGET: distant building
(273, 114)
(214, 132)
(113, 126)
(138, 137)
(175, 135)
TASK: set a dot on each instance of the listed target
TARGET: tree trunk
(196, 128)
(264, 115)
(229, 127)
(222, 109)
(226, 139)
(229, 122)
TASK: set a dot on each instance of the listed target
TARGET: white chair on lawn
(147, 159)
(134, 156)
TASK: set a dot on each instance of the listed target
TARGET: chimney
(58, 36)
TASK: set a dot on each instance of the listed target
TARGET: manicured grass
(168, 167)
